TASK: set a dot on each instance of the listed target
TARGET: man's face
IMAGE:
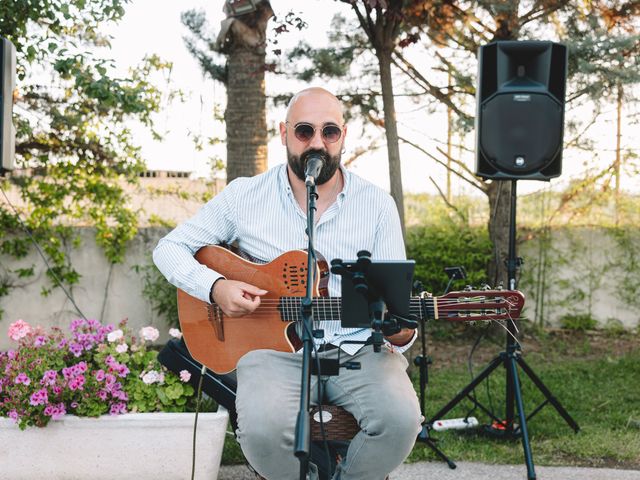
(314, 125)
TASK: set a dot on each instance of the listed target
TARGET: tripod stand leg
(423, 437)
(531, 474)
(547, 393)
(465, 391)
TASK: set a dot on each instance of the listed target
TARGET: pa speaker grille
(521, 133)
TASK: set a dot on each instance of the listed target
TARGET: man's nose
(316, 141)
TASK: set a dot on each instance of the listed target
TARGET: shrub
(437, 246)
(578, 321)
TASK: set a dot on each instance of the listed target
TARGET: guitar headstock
(478, 305)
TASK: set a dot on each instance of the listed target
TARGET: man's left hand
(401, 338)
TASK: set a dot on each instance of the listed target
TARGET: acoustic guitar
(218, 341)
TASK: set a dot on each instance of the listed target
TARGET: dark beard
(299, 163)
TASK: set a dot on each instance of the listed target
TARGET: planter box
(131, 446)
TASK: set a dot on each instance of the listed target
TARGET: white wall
(571, 264)
(123, 297)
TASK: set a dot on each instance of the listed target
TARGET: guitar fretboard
(329, 308)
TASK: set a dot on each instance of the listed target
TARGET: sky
(153, 26)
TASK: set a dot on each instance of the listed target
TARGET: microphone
(314, 165)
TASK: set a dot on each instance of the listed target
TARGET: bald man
(266, 216)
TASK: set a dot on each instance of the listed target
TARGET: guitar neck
(463, 306)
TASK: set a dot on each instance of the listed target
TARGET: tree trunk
(391, 129)
(499, 193)
(245, 115)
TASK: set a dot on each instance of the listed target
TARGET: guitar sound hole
(293, 276)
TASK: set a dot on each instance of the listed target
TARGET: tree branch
(474, 183)
(449, 204)
(419, 79)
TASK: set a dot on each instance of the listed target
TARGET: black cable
(203, 370)
(44, 258)
(470, 366)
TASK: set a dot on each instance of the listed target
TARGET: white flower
(175, 333)
(152, 377)
(185, 376)
(114, 336)
(149, 333)
(122, 347)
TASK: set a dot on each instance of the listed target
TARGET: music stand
(386, 281)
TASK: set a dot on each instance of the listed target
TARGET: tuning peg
(337, 267)
(364, 260)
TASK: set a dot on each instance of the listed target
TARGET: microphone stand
(303, 422)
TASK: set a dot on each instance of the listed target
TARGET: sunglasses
(305, 131)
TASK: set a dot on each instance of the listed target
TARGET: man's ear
(283, 133)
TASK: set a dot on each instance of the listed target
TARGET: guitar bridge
(215, 316)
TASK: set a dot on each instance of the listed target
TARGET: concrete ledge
(135, 445)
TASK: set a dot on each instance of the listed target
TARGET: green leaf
(174, 391)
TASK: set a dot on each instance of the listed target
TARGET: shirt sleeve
(388, 243)
(213, 224)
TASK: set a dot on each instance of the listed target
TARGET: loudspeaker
(520, 110)
(7, 86)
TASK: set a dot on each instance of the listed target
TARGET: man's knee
(399, 421)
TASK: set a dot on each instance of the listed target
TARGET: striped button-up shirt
(261, 214)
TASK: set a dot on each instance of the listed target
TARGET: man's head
(314, 124)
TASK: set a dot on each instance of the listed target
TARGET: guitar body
(218, 341)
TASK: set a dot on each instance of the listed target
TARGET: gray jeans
(380, 396)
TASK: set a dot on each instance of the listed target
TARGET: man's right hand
(236, 298)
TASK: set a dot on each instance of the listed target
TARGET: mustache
(320, 152)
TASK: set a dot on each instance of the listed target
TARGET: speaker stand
(510, 359)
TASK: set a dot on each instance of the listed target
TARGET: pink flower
(40, 341)
(75, 348)
(13, 415)
(39, 398)
(77, 383)
(22, 378)
(118, 408)
(19, 329)
(55, 411)
(122, 348)
(185, 376)
(99, 375)
(150, 334)
(175, 333)
(121, 395)
(122, 370)
(49, 377)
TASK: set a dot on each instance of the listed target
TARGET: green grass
(602, 395)
(601, 392)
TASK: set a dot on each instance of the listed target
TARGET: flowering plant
(97, 369)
